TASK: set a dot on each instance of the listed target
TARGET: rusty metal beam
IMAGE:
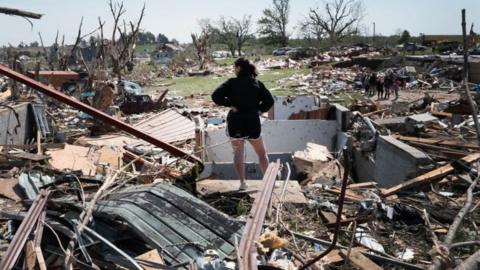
(247, 258)
(97, 114)
(23, 233)
(341, 202)
(21, 13)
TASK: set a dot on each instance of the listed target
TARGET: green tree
(405, 37)
(145, 38)
(162, 39)
(273, 23)
(233, 33)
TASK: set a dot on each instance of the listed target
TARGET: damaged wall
(393, 162)
(284, 107)
(397, 161)
(281, 136)
(17, 124)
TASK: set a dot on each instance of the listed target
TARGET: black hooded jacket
(244, 93)
(249, 96)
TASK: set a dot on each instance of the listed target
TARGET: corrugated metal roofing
(168, 126)
(173, 221)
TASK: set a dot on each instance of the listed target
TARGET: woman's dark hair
(246, 68)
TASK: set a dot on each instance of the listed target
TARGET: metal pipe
(341, 201)
(465, 76)
(282, 196)
(253, 228)
(23, 233)
(97, 114)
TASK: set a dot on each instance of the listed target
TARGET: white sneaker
(243, 186)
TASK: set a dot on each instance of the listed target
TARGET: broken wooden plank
(442, 114)
(9, 188)
(329, 217)
(29, 156)
(349, 195)
(442, 142)
(429, 176)
(32, 146)
(359, 260)
(332, 257)
(151, 256)
(362, 185)
(346, 222)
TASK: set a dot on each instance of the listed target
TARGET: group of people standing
(382, 85)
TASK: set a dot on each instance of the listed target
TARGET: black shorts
(243, 125)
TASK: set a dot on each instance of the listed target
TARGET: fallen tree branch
(471, 263)
(439, 261)
(86, 215)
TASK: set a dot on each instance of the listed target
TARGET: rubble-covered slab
(293, 193)
(86, 159)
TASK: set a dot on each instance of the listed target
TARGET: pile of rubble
(119, 179)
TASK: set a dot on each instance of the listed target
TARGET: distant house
(165, 53)
(142, 58)
(433, 40)
(56, 78)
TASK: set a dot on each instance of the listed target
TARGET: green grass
(186, 86)
(148, 48)
(271, 78)
(226, 61)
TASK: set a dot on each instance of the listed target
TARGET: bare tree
(338, 19)
(233, 32)
(201, 41)
(225, 34)
(273, 23)
(121, 51)
(311, 32)
(242, 31)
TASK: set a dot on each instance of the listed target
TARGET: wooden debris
(329, 217)
(365, 185)
(9, 188)
(151, 256)
(332, 257)
(349, 195)
(440, 142)
(29, 156)
(359, 260)
(428, 177)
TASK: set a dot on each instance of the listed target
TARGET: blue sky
(178, 18)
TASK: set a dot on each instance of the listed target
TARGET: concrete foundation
(226, 170)
(392, 162)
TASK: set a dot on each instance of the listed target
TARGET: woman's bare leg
(259, 148)
(238, 146)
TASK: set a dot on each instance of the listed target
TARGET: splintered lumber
(359, 260)
(21, 13)
(362, 185)
(429, 176)
(151, 256)
(440, 142)
(349, 195)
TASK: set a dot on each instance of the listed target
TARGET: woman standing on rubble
(247, 98)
